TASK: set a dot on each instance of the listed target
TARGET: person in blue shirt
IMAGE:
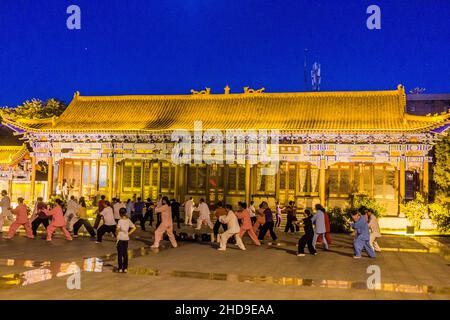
(362, 239)
(139, 213)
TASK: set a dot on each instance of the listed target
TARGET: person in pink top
(21, 214)
(58, 221)
(166, 224)
(246, 226)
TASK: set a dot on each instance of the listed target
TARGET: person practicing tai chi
(39, 216)
(268, 225)
(220, 211)
(21, 220)
(233, 229)
(71, 213)
(245, 215)
(204, 215)
(307, 238)
(362, 239)
(58, 221)
(124, 228)
(109, 224)
(260, 218)
(188, 210)
(374, 229)
(166, 224)
(5, 204)
(319, 221)
(82, 220)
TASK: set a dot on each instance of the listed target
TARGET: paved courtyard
(411, 268)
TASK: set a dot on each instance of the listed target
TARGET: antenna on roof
(305, 71)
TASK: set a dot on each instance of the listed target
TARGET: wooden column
(426, 182)
(182, 183)
(322, 182)
(10, 184)
(33, 178)
(110, 169)
(402, 180)
(247, 182)
(176, 184)
(50, 178)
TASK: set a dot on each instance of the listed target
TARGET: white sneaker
(221, 249)
(300, 255)
(356, 257)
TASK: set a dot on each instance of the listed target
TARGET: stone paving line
(46, 270)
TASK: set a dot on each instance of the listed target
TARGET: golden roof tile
(328, 112)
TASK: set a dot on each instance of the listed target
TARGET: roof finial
(401, 89)
(227, 90)
(248, 90)
(76, 94)
(206, 91)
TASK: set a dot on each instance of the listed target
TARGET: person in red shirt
(101, 206)
(21, 213)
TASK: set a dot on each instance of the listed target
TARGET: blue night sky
(169, 47)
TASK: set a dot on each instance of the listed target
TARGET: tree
(441, 174)
(36, 109)
(440, 209)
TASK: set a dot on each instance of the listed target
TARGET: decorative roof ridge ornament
(248, 90)
(205, 92)
(76, 94)
(226, 89)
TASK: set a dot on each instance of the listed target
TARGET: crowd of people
(119, 218)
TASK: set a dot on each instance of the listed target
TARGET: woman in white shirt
(124, 228)
(109, 224)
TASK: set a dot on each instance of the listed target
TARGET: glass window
(137, 175)
(102, 176)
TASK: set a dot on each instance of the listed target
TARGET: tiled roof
(9, 155)
(373, 111)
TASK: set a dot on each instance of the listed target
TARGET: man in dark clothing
(41, 217)
(290, 218)
(220, 211)
(149, 211)
(268, 225)
(307, 238)
(175, 207)
(101, 206)
(139, 213)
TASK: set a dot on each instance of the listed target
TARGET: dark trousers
(306, 239)
(158, 219)
(149, 216)
(135, 217)
(122, 254)
(268, 226)
(86, 224)
(104, 229)
(290, 226)
(176, 216)
(217, 227)
(98, 218)
(37, 222)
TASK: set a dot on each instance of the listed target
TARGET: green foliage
(36, 109)
(415, 210)
(339, 220)
(363, 200)
(440, 213)
(442, 167)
